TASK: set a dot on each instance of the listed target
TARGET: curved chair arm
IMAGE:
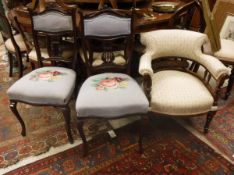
(215, 66)
(145, 67)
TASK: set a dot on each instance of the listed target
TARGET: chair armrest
(145, 67)
(214, 66)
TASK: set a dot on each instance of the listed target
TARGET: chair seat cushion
(179, 93)
(20, 42)
(110, 95)
(226, 53)
(47, 85)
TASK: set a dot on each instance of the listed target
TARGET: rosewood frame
(64, 108)
(180, 64)
(106, 68)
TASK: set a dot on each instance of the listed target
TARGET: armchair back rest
(107, 32)
(183, 44)
(54, 26)
(174, 43)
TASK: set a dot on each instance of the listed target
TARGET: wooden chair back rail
(107, 45)
(54, 38)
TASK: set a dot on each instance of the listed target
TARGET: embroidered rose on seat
(110, 83)
(47, 75)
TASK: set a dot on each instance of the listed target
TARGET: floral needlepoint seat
(47, 85)
(110, 95)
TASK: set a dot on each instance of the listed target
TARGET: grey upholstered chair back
(52, 21)
(105, 25)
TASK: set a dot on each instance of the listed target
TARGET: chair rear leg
(82, 135)
(209, 118)
(230, 84)
(140, 140)
(13, 107)
(10, 58)
(67, 118)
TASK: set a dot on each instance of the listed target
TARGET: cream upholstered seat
(226, 55)
(16, 44)
(172, 85)
(178, 93)
(20, 42)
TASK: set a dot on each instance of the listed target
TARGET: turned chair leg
(82, 135)
(209, 118)
(230, 84)
(13, 107)
(67, 118)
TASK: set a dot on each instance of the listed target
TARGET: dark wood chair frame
(18, 54)
(64, 108)
(182, 17)
(230, 79)
(108, 65)
(181, 64)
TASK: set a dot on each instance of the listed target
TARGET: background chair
(49, 86)
(226, 55)
(183, 17)
(172, 85)
(15, 45)
(108, 92)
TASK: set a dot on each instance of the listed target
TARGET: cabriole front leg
(13, 107)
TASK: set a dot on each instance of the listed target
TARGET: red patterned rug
(169, 149)
(221, 132)
(45, 127)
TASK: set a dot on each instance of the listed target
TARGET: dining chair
(108, 92)
(51, 84)
(225, 55)
(15, 45)
(172, 86)
(182, 17)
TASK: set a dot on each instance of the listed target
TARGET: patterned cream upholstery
(178, 43)
(179, 93)
(20, 42)
(226, 53)
(47, 85)
(174, 92)
(97, 56)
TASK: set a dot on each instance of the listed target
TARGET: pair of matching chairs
(105, 94)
